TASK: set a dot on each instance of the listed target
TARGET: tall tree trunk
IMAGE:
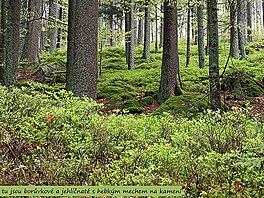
(82, 48)
(146, 51)
(170, 60)
(43, 34)
(127, 35)
(32, 42)
(130, 38)
(249, 21)
(53, 16)
(200, 16)
(212, 22)
(263, 13)
(12, 41)
(111, 23)
(23, 56)
(140, 32)
(3, 24)
(156, 30)
(59, 32)
(234, 49)
(161, 27)
(188, 34)
(2, 38)
(241, 19)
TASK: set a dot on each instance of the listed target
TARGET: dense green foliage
(49, 137)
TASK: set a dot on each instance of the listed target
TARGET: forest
(133, 93)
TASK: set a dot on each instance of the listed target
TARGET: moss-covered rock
(240, 86)
(135, 109)
(184, 104)
(115, 99)
(130, 103)
(126, 96)
(147, 101)
(109, 91)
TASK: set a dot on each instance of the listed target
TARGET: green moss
(126, 96)
(112, 89)
(101, 95)
(115, 99)
(183, 104)
(130, 103)
(240, 86)
(135, 109)
(147, 101)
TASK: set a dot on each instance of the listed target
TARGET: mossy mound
(114, 100)
(135, 110)
(147, 101)
(109, 91)
(132, 106)
(127, 95)
(240, 86)
(130, 103)
(184, 104)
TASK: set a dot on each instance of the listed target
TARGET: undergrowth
(49, 137)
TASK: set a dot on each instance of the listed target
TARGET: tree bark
(130, 38)
(241, 19)
(188, 44)
(31, 44)
(263, 13)
(249, 21)
(161, 28)
(146, 51)
(12, 41)
(140, 32)
(82, 48)
(111, 26)
(234, 49)
(3, 23)
(53, 32)
(59, 33)
(170, 60)
(156, 30)
(200, 16)
(212, 23)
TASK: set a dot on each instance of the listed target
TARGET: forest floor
(49, 137)
(242, 83)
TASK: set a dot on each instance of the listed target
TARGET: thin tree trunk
(59, 32)
(249, 21)
(241, 27)
(111, 21)
(127, 35)
(140, 32)
(212, 22)
(53, 16)
(200, 16)
(263, 13)
(156, 30)
(188, 35)
(146, 51)
(161, 28)
(130, 38)
(131, 64)
(234, 49)
(3, 24)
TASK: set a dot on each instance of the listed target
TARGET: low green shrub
(59, 139)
